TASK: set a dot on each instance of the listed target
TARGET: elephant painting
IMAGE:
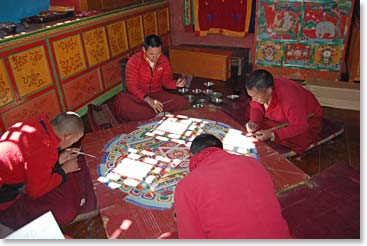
(325, 27)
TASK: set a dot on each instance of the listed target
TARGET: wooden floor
(344, 149)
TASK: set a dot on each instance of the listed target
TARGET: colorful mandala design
(118, 147)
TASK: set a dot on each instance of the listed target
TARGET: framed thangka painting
(269, 53)
(298, 54)
(279, 20)
(328, 56)
(300, 39)
(325, 21)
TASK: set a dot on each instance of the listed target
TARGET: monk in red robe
(283, 102)
(147, 73)
(39, 174)
(226, 196)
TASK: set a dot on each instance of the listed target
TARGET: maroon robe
(28, 157)
(141, 81)
(290, 103)
(227, 196)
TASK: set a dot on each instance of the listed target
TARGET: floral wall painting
(298, 54)
(269, 53)
(328, 56)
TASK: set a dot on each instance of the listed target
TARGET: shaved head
(68, 127)
(69, 122)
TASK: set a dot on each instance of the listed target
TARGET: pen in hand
(81, 153)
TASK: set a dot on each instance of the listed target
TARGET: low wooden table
(151, 223)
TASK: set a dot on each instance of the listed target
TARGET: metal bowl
(198, 105)
(202, 100)
(190, 98)
(217, 100)
(207, 91)
(216, 95)
(208, 84)
(196, 91)
(233, 97)
(183, 90)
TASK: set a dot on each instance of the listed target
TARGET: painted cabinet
(302, 39)
(67, 66)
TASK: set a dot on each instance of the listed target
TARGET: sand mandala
(148, 162)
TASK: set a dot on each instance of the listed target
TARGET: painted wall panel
(166, 40)
(298, 54)
(31, 70)
(117, 38)
(6, 95)
(328, 56)
(163, 20)
(111, 73)
(82, 89)
(150, 23)
(46, 103)
(69, 56)
(306, 36)
(95, 42)
(135, 31)
(326, 21)
(269, 53)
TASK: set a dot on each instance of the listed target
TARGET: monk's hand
(156, 105)
(251, 126)
(264, 135)
(68, 154)
(71, 166)
(181, 82)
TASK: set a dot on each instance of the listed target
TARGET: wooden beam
(335, 94)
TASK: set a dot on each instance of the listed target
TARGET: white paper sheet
(44, 227)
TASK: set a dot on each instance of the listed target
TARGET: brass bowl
(208, 84)
(217, 100)
(233, 97)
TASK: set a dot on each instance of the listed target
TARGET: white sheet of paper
(237, 140)
(44, 227)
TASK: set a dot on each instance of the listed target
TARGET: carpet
(326, 207)
(101, 117)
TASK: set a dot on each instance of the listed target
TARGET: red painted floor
(326, 207)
